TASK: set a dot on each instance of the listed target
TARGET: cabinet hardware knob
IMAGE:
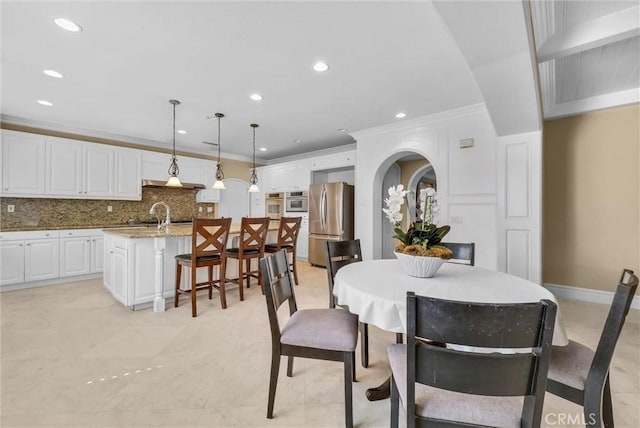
(20, 245)
(28, 245)
(110, 252)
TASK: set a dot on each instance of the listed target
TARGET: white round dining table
(376, 290)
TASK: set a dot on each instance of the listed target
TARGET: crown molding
(76, 133)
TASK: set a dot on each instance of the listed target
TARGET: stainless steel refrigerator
(330, 217)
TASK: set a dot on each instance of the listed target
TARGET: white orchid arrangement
(423, 236)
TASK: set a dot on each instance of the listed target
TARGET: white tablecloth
(376, 290)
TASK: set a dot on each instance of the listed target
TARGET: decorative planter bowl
(419, 266)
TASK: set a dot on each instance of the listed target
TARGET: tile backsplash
(39, 213)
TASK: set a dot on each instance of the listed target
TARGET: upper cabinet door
(64, 167)
(128, 178)
(99, 170)
(23, 163)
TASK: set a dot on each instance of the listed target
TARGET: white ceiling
(132, 57)
(588, 54)
(384, 57)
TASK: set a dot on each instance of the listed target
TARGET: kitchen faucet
(167, 221)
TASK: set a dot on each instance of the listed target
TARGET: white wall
(489, 193)
(467, 178)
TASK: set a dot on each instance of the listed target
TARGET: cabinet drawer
(73, 233)
(32, 234)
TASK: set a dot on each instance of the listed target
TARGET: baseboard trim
(62, 280)
(586, 294)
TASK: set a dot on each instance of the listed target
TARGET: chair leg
(290, 366)
(348, 394)
(260, 282)
(176, 300)
(247, 263)
(353, 366)
(210, 281)
(273, 382)
(364, 344)
(222, 269)
(194, 286)
(607, 406)
(395, 404)
(294, 267)
(240, 285)
(593, 397)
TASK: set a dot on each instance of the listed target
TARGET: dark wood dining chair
(580, 375)
(208, 246)
(253, 234)
(440, 386)
(287, 239)
(339, 254)
(322, 334)
(463, 253)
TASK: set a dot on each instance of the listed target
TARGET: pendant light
(174, 171)
(253, 181)
(219, 184)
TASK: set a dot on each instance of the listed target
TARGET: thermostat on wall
(466, 143)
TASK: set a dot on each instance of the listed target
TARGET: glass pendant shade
(174, 171)
(253, 181)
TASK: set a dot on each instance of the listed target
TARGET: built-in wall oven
(296, 202)
(274, 204)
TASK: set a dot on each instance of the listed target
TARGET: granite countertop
(87, 226)
(172, 230)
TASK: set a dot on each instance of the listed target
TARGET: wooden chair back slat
(278, 287)
(339, 254)
(462, 252)
(209, 236)
(288, 231)
(253, 233)
(495, 374)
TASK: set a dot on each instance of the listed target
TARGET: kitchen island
(139, 262)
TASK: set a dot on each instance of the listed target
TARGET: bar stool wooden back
(287, 240)
(208, 246)
(253, 234)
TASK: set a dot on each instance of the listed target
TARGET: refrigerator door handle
(323, 208)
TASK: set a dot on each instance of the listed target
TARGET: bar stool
(253, 233)
(208, 246)
(287, 240)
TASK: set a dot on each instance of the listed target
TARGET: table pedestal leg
(380, 392)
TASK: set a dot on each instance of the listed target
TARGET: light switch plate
(109, 208)
(209, 209)
(11, 208)
(466, 143)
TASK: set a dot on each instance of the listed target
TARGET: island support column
(159, 245)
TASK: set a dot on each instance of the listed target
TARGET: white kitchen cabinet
(118, 259)
(75, 256)
(128, 174)
(11, 262)
(64, 167)
(155, 166)
(302, 246)
(97, 254)
(81, 252)
(79, 169)
(23, 163)
(99, 169)
(41, 259)
(334, 160)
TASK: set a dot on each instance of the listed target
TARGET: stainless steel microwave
(297, 202)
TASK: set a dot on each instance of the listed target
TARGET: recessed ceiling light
(297, 141)
(181, 131)
(53, 73)
(342, 129)
(401, 115)
(68, 25)
(263, 149)
(320, 66)
(45, 103)
(256, 97)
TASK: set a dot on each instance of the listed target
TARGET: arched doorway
(414, 172)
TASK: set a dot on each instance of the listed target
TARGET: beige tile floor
(73, 357)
